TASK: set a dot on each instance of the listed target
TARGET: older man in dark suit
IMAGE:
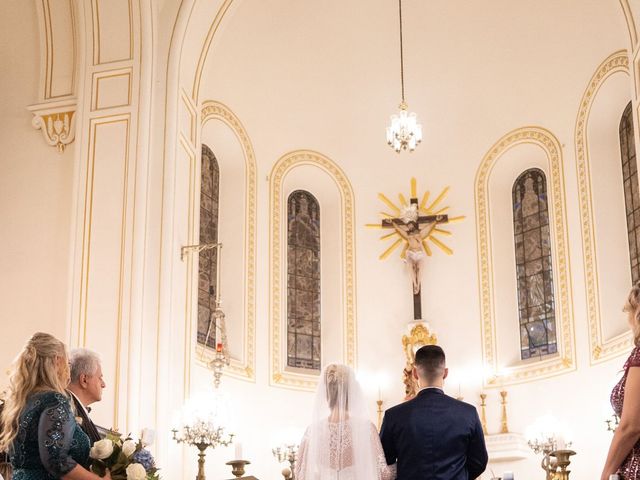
(433, 436)
(86, 388)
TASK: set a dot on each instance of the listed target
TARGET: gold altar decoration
(424, 208)
(419, 336)
(504, 428)
(483, 413)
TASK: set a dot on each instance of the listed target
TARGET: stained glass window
(534, 269)
(209, 199)
(303, 281)
(631, 194)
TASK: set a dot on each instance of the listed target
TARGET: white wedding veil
(339, 443)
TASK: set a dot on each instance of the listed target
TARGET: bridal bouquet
(126, 460)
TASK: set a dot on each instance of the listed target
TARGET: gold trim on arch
(279, 376)
(564, 361)
(631, 24)
(245, 368)
(600, 348)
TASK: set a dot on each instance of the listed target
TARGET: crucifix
(415, 229)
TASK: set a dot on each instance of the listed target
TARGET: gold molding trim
(280, 376)
(631, 24)
(99, 77)
(601, 349)
(205, 47)
(565, 360)
(244, 368)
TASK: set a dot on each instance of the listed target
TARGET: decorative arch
(279, 374)
(631, 24)
(565, 360)
(212, 110)
(601, 349)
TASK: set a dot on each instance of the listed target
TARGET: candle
(459, 396)
(379, 392)
(218, 347)
(507, 476)
(560, 443)
(239, 451)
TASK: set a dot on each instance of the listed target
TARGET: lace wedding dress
(339, 461)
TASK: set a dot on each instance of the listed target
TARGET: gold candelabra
(379, 403)
(202, 435)
(548, 448)
(287, 453)
(504, 428)
(483, 413)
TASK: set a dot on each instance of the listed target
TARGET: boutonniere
(79, 420)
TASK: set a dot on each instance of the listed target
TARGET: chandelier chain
(401, 51)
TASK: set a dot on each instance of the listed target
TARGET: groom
(433, 436)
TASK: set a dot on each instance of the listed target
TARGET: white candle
(560, 443)
(507, 476)
(239, 451)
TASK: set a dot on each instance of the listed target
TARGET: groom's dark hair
(430, 362)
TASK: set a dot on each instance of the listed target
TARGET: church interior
(202, 192)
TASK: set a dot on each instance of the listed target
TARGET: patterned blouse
(630, 468)
(49, 443)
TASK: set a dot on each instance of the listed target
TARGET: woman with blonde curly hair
(624, 453)
(37, 428)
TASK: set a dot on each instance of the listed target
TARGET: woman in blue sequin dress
(37, 427)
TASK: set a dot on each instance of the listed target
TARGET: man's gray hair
(83, 361)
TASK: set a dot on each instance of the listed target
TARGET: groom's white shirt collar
(424, 388)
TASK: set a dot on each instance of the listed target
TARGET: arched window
(209, 198)
(303, 281)
(631, 194)
(534, 269)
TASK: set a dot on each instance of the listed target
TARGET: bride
(341, 443)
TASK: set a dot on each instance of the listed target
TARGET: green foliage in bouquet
(125, 460)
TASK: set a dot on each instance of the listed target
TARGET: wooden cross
(412, 237)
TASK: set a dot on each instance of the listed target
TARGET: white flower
(102, 449)
(135, 471)
(128, 447)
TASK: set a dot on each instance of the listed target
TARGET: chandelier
(404, 131)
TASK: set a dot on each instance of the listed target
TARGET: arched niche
(320, 176)
(223, 133)
(514, 153)
(602, 208)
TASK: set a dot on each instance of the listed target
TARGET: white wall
(35, 197)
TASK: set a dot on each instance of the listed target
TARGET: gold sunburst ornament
(412, 220)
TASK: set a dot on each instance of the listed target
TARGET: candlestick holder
(379, 403)
(562, 462)
(548, 447)
(237, 467)
(287, 453)
(504, 428)
(483, 413)
(202, 435)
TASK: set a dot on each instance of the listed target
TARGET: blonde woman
(624, 453)
(341, 443)
(37, 427)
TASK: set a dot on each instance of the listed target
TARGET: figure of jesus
(414, 233)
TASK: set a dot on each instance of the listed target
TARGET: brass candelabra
(504, 428)
(237, 467)
(483, 413)
(202, 435)
(379, 403)
(287, 453)
(552, 458)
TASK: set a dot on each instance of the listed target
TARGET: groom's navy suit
(434, 437)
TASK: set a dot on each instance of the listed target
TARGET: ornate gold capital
(56, 120)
